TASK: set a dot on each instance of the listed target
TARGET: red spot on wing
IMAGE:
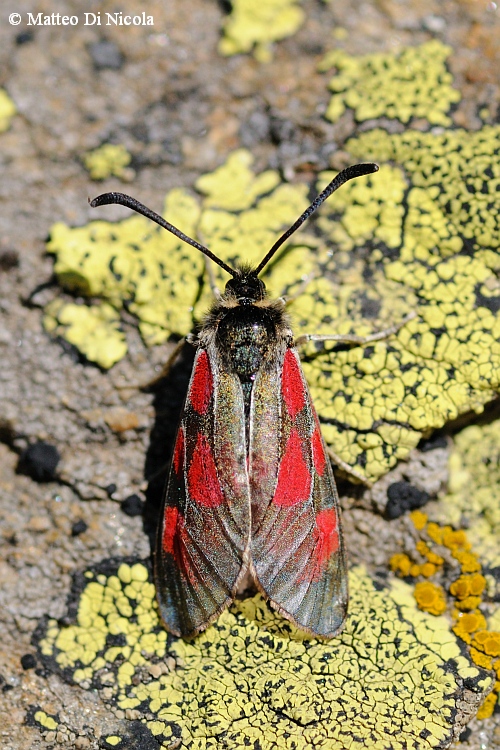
(294, 477)
(202, 384)
(292, 385)
(203, 483)
(170, 529)
(318, 452)
(175, 542)
(178, 459)
(327, 531)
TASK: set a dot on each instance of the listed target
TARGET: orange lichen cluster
(402, 564)
(469, 623)
(430, 597)
(467, 591)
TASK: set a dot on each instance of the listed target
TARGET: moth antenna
(357, 170)
(126, 200)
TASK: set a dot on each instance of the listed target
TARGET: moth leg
(190, 339)
(347, 467)
(301, 288)
(352, 338)
(165, 370)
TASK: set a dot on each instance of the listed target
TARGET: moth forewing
(250, 490)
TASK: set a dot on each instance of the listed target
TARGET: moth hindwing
(251, 494)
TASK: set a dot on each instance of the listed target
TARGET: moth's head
(246, 287)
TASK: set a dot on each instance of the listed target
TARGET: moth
(251, 496)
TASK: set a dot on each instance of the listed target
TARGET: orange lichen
(488, 706)
(487, 641)
(468, 623)
(400, 563)
(468, 561)
(468, 586)
(455, 539)
(430, 598)
(425, 551)
(427, 569)
(469, 603)
(419, 519)
(436, 532)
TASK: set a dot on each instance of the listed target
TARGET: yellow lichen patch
(234, 186)
(94, 330)
(107, 160)
(474, 493)
(255, 25)
(113, 740)
(7, 110)
(45, 721)
(453, 203)
(413, 83)
(393, 672)
(374, 401)
(468, 603)
(117, 621)
(438, 259)
(135, 263)
(430, 597)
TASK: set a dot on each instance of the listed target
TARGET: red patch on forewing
(170, 529)
(202, 384)
(203, 483)
(174, 542)
(178, 459)
(327, 525)
(294, 477)
(292, 385)
(318, 452)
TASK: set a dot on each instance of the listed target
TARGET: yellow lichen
(374, 401)
(107, 160)
(94, 330)
(474, 495)
(7, 110)
(430, 598)
(255, 25)
(252, 675)
(455, 539)
(45, 720)
(444, 250)
(472, 621)
(411, 83)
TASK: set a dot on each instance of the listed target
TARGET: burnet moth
(251, 497)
